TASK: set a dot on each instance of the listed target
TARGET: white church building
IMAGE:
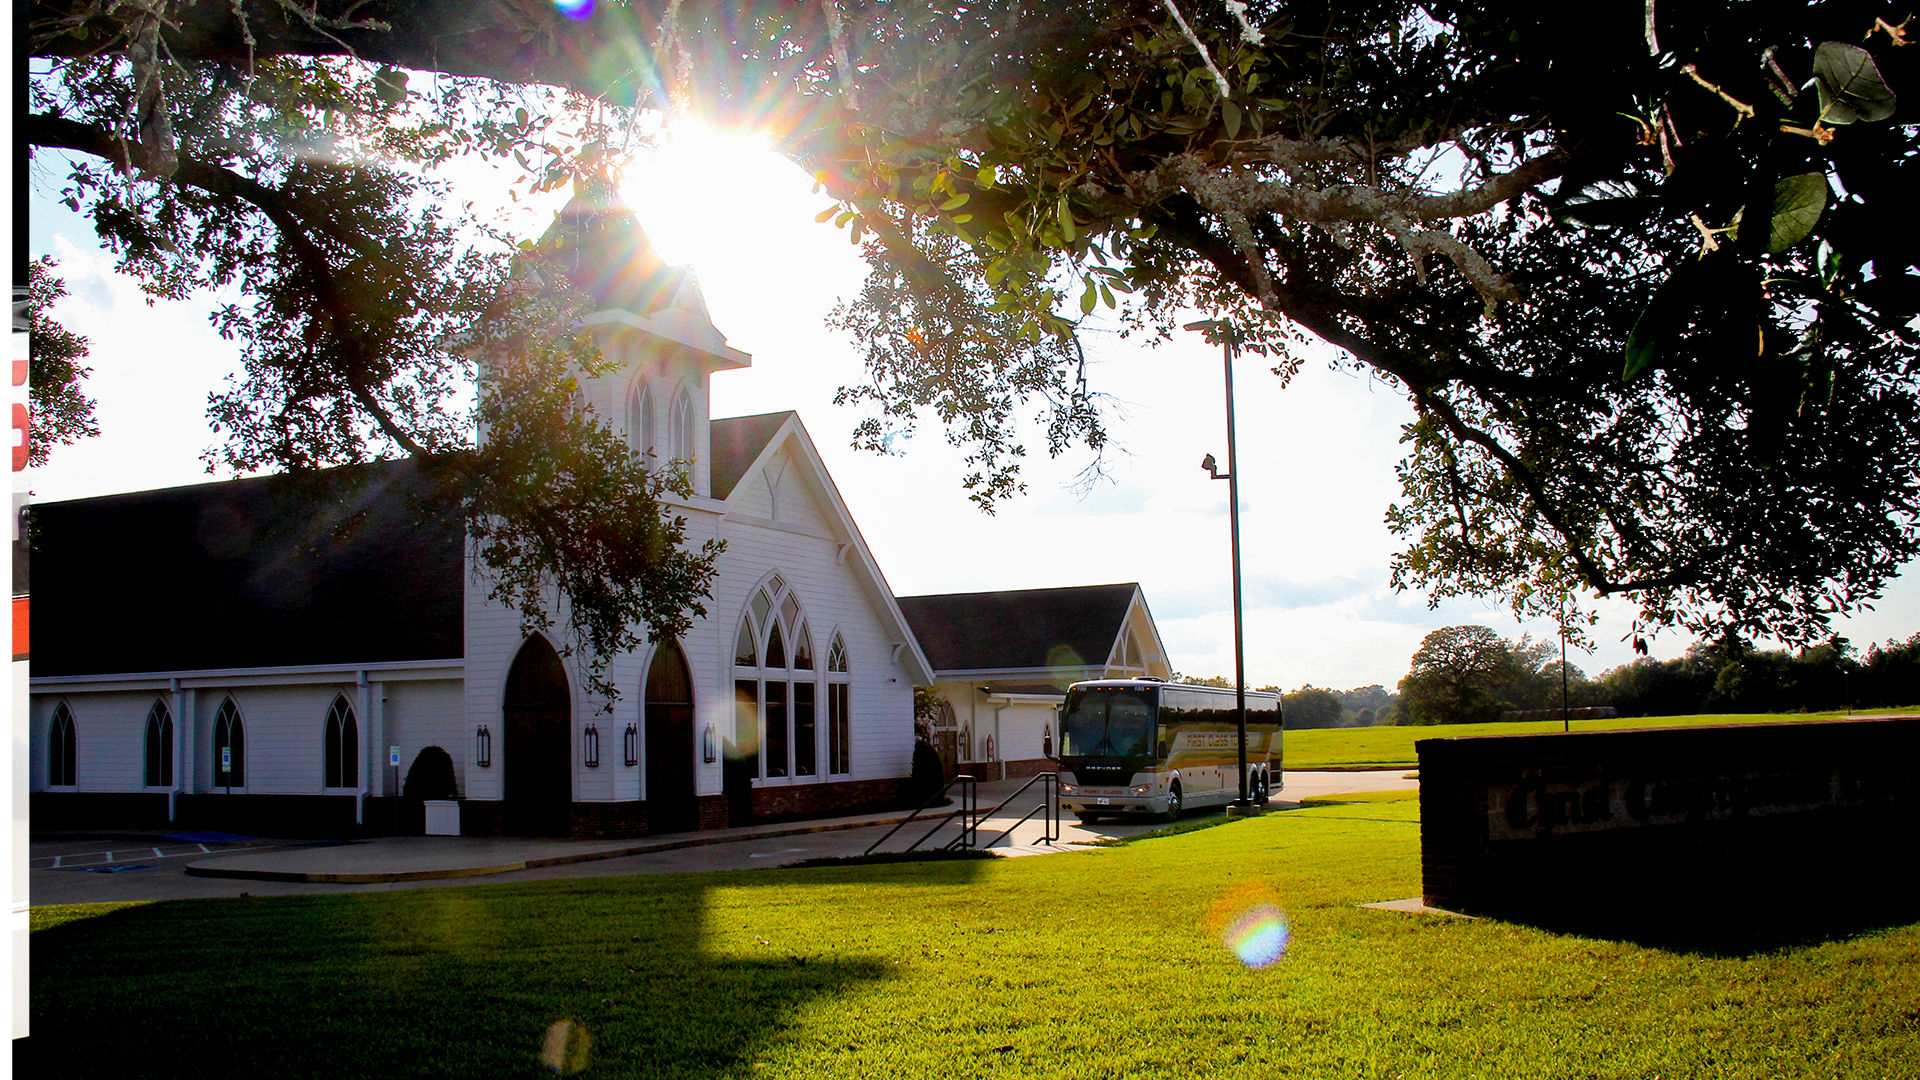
(233, 656)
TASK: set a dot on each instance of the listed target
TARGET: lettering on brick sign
(1539, 807)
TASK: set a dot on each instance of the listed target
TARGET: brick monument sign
(1614, 829)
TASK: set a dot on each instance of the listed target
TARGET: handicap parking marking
(78, 859)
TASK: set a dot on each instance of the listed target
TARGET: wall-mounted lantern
(593, 746)
(483, 747)
(632, 741)
(708, 751)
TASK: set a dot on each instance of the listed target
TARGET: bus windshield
(1108, 722)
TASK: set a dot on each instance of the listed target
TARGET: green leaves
(1850, 85)
(1643, 342)
(1798, 202)
(1607, 203)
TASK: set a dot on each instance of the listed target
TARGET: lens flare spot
(565, 1048)
(574, 9)
(1251, 924)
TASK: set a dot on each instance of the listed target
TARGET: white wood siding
(110, 739)
(425, 713)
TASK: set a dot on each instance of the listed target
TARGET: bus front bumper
(1113, 804)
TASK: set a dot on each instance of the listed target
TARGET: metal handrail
(1049, 802)
(968, 811)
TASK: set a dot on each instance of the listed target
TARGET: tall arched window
(229, 746)
(342, 745)
(640, 425)
(839, 719)
(159, 745)
(774, 682)
(61, 738)
(680, 427)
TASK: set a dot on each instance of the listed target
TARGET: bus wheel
(1173, 803)
(1261, 783)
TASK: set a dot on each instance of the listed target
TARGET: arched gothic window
(774, 682)
(680, 427)
(640, 425)
(159, 745)
(61, 738)
(839, 719)
(229, 746)
(342, 745)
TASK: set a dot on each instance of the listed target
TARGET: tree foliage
(61, 414)
(1735, 677)
(1470, 674)
(1647, 277)
(1311, 707)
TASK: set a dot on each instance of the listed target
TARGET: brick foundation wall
(64, 811)
(598, 820)
(481, 817)
(827, 800)
(1028, 767)
(713, 811)
(982, 770)
(311, 816)
(1624, 828)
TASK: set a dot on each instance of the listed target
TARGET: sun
(709, 197)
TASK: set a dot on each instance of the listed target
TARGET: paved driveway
(80, 870)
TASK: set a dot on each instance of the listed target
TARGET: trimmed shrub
(431, 776)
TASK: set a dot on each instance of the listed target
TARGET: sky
(1316, 457)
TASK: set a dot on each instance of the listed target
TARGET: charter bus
(1140, 747)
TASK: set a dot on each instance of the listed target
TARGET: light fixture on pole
(1222, 331)
(1566, 723)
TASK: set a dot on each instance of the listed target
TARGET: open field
(1378, 747)
(1100, 963)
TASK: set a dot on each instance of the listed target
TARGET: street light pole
(1232, 477)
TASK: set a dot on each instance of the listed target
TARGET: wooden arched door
(537, 717)
(672, 805)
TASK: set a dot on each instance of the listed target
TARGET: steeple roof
(610, 257)
(607, 255)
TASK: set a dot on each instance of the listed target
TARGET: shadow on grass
(1723, 935)
(1726, 908)
(662, 972)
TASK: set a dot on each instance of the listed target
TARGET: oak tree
(1647, 276)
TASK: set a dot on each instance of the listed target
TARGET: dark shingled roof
(737, 440)
(245, 573)
(1028, 628)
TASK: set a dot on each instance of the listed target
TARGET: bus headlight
(1140, 789)
(1066, 788)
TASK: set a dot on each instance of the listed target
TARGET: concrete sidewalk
(419, 858)
(423, 858)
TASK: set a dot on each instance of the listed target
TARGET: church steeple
(651, 318)
(609, 256)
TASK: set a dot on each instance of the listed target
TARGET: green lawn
(1382, 747)
(1093, 964)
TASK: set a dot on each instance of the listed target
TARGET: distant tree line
(1318, 707)
(1470, 674)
